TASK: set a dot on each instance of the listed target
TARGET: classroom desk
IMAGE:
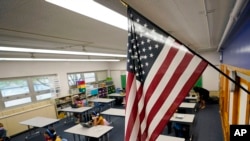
(187, 105)
(169, 138)
(119, 98)
(191, 99)
(94, 132)
(40, 122)
(116, 95)
(187, 119)
(108, 101)
(102, 100)
(79, 110)
(76, 110)
(114, 112)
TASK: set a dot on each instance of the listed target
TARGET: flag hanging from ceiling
(160, 73)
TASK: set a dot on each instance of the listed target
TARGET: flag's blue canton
(142, 50)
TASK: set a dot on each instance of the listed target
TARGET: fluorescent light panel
(94, 10)
(30, 50)
(58, 60)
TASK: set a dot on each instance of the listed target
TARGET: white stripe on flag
(129, 105)
(152, 72)
(174, 93)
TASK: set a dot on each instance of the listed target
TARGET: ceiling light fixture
(31, 50)
(58, 60)
(94, 10)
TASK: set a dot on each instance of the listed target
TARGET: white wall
(19, 69)
(122, 65)
(213, 57)
(116, 70)
(210, 76)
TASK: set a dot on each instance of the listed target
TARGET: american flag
(160, 73)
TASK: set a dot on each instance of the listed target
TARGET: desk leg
(190, 132)
(112, 104)
(74, 136)
(68, 118)
(29, 133)
(29, 129)
(86, 116)
(79, 138)
(107, 137)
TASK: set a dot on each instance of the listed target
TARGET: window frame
(32, 94)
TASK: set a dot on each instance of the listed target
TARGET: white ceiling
(199, 24)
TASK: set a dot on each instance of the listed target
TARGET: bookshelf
(100, 89)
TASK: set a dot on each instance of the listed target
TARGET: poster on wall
(81, 86)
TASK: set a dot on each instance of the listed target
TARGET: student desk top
(116, 95)
(186, 118)
(102, 100)
(183, 118)
(108, 101)
(192, 99)
(169, 138)
(39, 122)
(79, 110)
(94, 132)
(187, 105)
(114, 112)
(76, 110)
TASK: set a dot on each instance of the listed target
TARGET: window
(18, 91)
(44, 87)
(44, 96)
(41, 84)
(73, 78)
(15, 102)
(89, 77)
(14, 87)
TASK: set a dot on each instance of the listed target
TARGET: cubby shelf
(102, 89)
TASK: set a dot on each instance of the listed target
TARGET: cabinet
(104, 91)
(66, 101)
(100, 89)
(106, 88)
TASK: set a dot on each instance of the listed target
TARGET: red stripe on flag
(168, 88)
(158, 76)
(134, 111)
(131, 120)
(192, 80)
